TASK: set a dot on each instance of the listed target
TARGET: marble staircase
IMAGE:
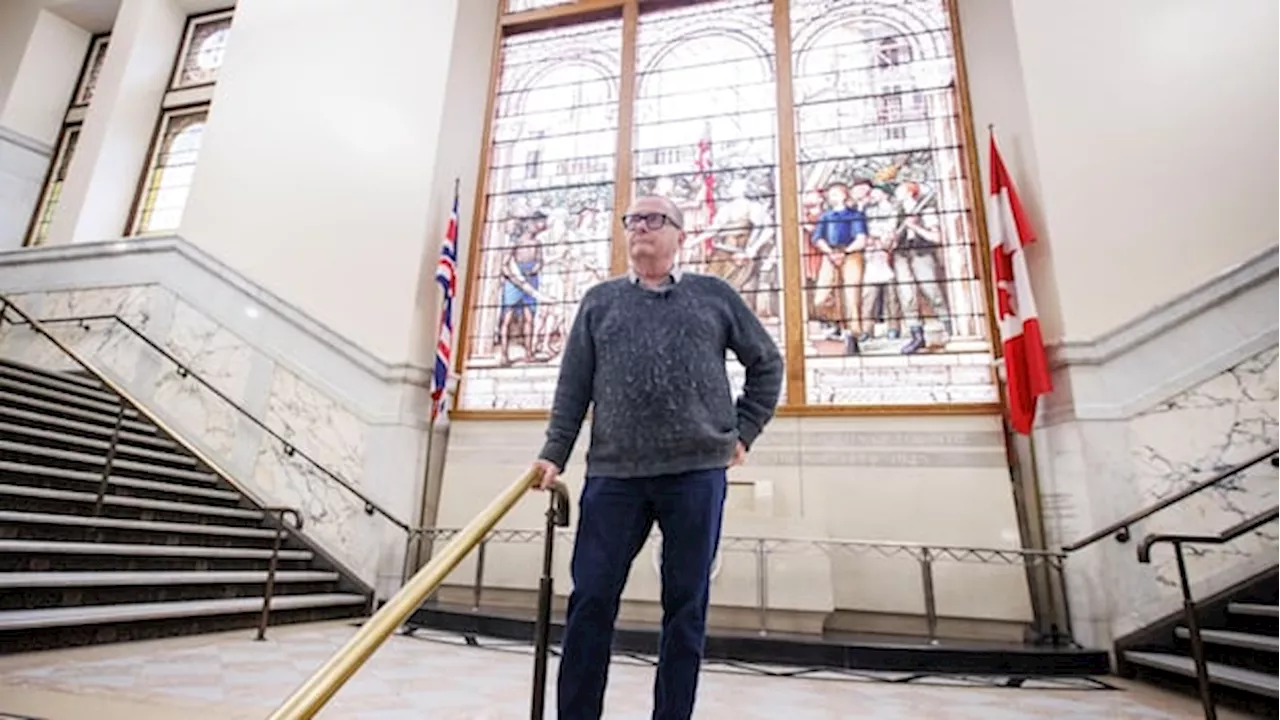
(168, 549)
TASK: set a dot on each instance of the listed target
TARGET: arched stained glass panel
(893, 305)
(550, 203)
(706, 137)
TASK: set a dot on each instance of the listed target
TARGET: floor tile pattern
(433, 675)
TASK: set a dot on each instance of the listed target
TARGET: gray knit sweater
(652, 363)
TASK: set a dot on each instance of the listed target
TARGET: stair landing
(228, 675)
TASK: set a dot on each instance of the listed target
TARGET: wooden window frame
(177, 99)
(583, 11)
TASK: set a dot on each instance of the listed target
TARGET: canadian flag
(1026, 368)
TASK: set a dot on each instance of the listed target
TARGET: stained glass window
(893, 305)
(47, 208)
(162, 196)
(706, 137)
(172, 169)
(549, 209)
(93, 67)
(53, 191)
(203, 49)
(888, 307)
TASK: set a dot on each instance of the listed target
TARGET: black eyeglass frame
(653, 221)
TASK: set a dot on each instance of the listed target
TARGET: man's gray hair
(672, 209)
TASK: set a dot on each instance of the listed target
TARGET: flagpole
(423, 542)
(1026, 478)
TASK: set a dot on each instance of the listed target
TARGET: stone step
(1250, 681)
(131, 502)
(11, 620)
(73, 399)
(93, 478)
(11, 580)
(31, 436)
(1268, 611)
(30, 518)
(100, 460)
(1248, 641)
(133, 438)
(107, 420)
(145, 550)
(76, 379)
(55, 381)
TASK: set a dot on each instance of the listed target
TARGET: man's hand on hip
(739, 455)
(549, 474)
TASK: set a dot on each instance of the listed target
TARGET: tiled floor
(438, 677)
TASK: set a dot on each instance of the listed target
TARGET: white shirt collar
(675, 275)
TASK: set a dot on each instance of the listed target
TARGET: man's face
(653, 234)
(860, 192)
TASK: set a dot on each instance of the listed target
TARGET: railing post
(557, 516)
(111, 459)
(478, 588)
(1197, 644)
(930, 600)
(271, 582)
(272, 566)
(762, 585)
(408, 567)
(1064, 601)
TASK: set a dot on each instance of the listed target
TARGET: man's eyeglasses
(651, 221)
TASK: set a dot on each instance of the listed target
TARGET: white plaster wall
(23, 164)
(17, 18)
(46, 78)
(1157, 154)
(317, 173)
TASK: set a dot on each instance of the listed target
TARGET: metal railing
(1121, 528)
(311, 696)
(1188, 603)
(925, 555)
(275, 516)
(290, 450)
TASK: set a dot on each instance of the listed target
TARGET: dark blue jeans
(616, 517)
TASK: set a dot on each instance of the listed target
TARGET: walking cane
(557, 516)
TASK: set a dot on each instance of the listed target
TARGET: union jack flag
(447, 276)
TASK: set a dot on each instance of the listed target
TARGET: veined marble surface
(1098, 471)
(1196, 435)
(333, 437)
(105, 343)
(218, 357)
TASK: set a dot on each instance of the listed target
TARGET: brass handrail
(1120, 528)
(184, 371)
(315, 691)
(127, 398)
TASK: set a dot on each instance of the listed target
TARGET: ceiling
(97, 16)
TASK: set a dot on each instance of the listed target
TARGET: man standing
(647, 351)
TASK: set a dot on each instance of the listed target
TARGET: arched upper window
(836, 195)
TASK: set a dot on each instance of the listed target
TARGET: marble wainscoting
(334, 438)
(310, 420)
(110, 346)
(1189, 438)
(1095, 472)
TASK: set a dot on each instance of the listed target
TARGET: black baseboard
(880, 653)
